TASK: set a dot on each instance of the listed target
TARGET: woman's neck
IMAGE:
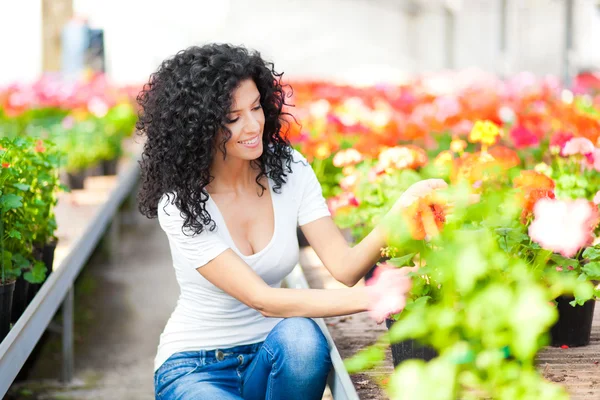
(232, 175)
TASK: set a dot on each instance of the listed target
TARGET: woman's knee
(301, 340)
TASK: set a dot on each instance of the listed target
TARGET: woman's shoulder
(299, 163)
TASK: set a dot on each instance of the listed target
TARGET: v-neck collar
(226, 229)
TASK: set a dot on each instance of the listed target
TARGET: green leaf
(365, 359)
(20, 261)
(21, 186)
(37, 273)
(592, 253)
(564, 261)
(10, 202)
(401, 261)
(14, 234)
(583, 292)
(592, 270)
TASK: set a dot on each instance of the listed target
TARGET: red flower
(5, 165)
(523, 137)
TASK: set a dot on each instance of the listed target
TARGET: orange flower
(534, 186)
(425, 218)
(5, 165)
(473, 167)
(39, 146)
(506, 157)
(533, 180)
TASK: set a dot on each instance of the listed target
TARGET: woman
(229, 192)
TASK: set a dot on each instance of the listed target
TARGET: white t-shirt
(207, 318)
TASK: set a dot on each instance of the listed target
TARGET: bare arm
(346, 264)
(349, 264)
(231, 274)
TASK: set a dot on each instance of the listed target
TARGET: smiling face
(246, 121)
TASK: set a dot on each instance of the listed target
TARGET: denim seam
(271, 377)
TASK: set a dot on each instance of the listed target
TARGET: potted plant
(25, 219)
(490, 318)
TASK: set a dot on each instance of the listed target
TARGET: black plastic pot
(574, 325)
(20, 299)
(45, 254)
(75, 180)
(409, 349)
(109, 167)
(6, 296)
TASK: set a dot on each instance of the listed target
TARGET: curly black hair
(184, 106)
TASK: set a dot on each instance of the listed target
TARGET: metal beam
(339, 381)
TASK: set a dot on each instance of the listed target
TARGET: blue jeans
(292, 363)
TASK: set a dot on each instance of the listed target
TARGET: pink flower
(523, 137)
(387, 291)
(596, 159)
(597, 198)
(578, 145)
(563, 226)
(559, 139)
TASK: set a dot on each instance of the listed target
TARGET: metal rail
(338, 380)
(58, 290)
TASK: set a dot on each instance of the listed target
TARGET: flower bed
(88, 120)
(489, 273)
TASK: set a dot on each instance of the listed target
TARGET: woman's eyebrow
(234, 111)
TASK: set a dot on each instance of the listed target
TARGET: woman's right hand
(387, 291)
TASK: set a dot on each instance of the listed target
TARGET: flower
(5, 165)
(528, 180)
(387, 291)
(533, 186)
(348, 182)
(425, 217)
(444, 159)
(578, 145)
(485, 132)
(597, 198)
(559, 139)
(458, 145)
(401, 157)
(505, 156)
(523, 137)
(39, 146)
(344, 158)
(563, 226)
(341, 203)
(596, 159)
(473, 167)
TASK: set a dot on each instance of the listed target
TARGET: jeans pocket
(172, 373)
